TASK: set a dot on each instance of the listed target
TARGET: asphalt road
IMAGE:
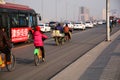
(57, 57)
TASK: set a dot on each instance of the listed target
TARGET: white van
(45, 27)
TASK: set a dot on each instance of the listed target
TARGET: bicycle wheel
(63, 40)
(37, 56)
(36, 59)
(11, 67)
(57, 41)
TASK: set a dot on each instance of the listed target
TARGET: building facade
(104, 14)
(83, 14)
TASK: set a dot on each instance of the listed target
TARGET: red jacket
(38, 36)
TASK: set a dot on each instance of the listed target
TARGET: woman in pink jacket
(38, 37)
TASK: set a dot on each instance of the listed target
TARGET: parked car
(70, 25)
(53, 24)
(104, 21)
(45, 27)
(89, 24)
(79, 25)
(94, 23)
(100, 22)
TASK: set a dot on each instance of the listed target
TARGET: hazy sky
(66, 9)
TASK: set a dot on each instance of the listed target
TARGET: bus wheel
(30, 37)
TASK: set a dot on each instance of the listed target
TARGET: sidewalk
(100, 63)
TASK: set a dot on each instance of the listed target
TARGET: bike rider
(67, 31)
(61, 34)
(39, 37)
(5, 47)
(59, 27)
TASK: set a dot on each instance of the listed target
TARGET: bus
(19, 21)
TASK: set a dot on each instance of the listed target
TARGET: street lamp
(107, 19)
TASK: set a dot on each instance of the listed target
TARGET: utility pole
(108, 21)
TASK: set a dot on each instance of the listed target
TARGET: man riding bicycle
(59, 27)
(5, 47)
(67, 31)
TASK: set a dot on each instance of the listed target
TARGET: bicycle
(10, 67)
(58, 37)
(68, 37)
(37, 56)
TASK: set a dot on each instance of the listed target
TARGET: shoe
(8, 62)
(43, 59)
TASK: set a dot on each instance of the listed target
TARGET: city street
(57, 57)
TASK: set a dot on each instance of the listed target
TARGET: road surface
(57, 57)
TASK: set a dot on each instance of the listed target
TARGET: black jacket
(4, 40)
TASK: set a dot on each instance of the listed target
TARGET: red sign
(19, 34)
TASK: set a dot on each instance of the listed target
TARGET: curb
(76, 69)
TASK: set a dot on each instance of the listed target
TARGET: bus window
(23, 20)
(4, 22)
(0, 20)
(14, 20)
(30, 21)
(33, 20)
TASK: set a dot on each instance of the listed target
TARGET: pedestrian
(111, 25)
(39, 38)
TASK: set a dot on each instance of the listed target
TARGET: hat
(37, 28)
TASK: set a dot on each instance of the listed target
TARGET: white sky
(66, 9)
